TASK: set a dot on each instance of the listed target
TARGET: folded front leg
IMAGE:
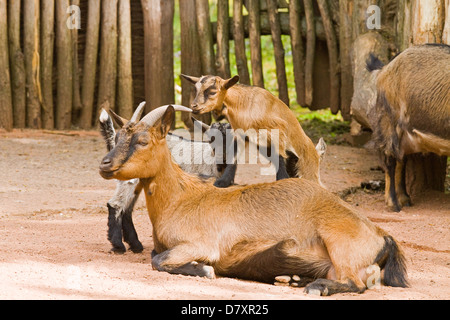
(179, 260)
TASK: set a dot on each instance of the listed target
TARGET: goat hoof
(405, 201)
(393, 206)
(203, 270)
(316, 289)
(222, 184)
(136, 248)
(117, 250)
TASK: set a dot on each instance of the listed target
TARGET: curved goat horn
(137, 114)
(151, 118)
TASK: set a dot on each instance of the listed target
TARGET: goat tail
(373, 63)
(391, 259)
(107, 130)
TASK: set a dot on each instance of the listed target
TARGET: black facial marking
(209, 91)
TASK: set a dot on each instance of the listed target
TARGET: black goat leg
(115, 229)
(120, 223)
(227, 179)
(129, 232)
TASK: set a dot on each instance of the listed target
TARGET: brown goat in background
(250, 107)
(412, 112)
(256, 232)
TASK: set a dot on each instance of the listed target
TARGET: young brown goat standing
(248, 107)
(257, 232)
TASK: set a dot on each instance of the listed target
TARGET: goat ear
(321, 148)
(118, 119)
(167, 120)
(193, 80)
(200, 125)
(230, 82)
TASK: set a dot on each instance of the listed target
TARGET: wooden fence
(56, 70)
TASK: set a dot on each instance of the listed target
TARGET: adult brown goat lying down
(256, 232)
(412, 112)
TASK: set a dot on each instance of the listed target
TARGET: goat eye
(143, 142)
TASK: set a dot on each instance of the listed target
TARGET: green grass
(316, 124)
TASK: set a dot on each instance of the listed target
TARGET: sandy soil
(53, 229)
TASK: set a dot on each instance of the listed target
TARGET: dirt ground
(53, 219)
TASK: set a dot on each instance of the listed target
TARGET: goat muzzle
(106, 170)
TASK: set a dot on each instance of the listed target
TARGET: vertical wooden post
(310, 51)
(345, 49)
(298, 56)
(239, 43)
(90, 63)
(205, 36)
(332, 54)
(31, 50)
(64, 90)
(272, 8)
(255, 42)
(428, 21)
(446, 31)
(124, 63)
(158, 34)
(76, 103)
(190, 64)
(17, 64)
(223, 50)
(6, 110)
(108, 55)
(47, 40)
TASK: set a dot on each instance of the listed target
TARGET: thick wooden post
(428, 21)
(64, 89)
(158, 33)
(310, 51)
(205, 36)
(255, 43)
(47, 40)
(31, 50)
(6, 111)
(108, 56)
(333, 55)
(223, 48)
(272, 8)
(124, 62)
(345, 50)
(190, 65)
(239, 43)
(298, 55)
(90, 63)
(17, 64)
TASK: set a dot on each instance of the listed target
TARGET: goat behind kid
(257, 232)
